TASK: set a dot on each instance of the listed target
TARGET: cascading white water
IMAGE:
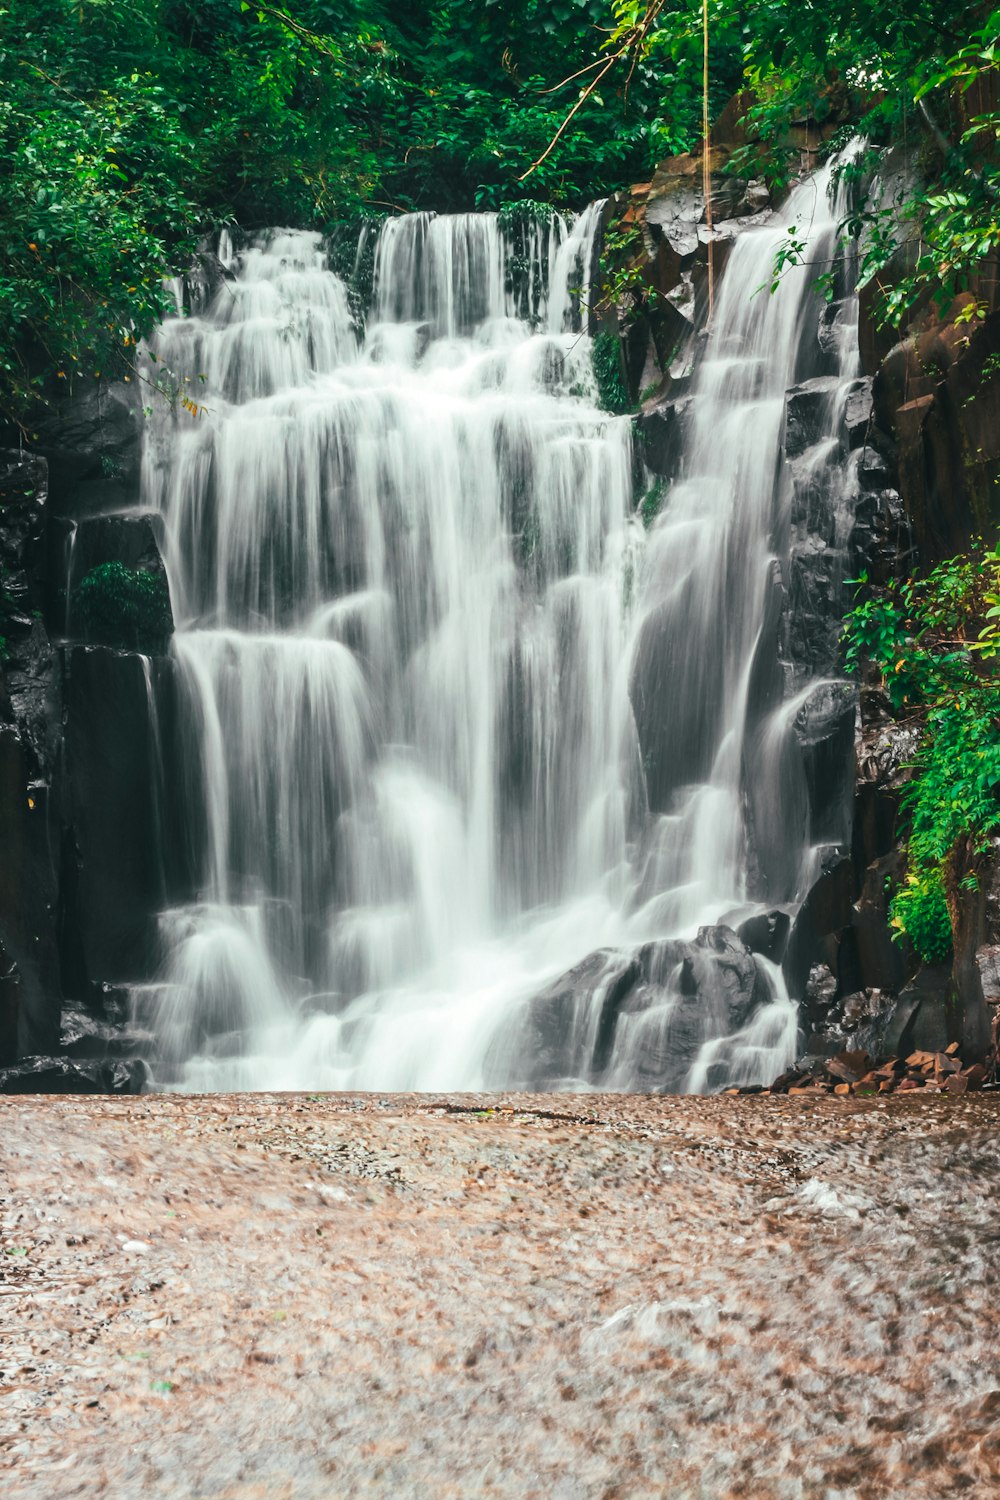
(712, 568)
(411, 594)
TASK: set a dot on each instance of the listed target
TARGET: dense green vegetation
(128, 126)
(932, 643)
(124, 607)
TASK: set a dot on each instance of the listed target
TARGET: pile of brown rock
(858, 1073)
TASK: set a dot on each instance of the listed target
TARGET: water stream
(416, 614)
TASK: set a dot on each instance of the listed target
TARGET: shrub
(932, 643)
(919, 911)
(124, 607)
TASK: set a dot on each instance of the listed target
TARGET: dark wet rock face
(824, 732)
(662, 431)
(858, 407)
(92, 443)
(635, 1020)
(114, 702)
(808, 410)
(30, 713)
(921, 1020)
(571, 1024)
(10, 1007)
(67, 1075)
(832, 1021)
(81, 830)
(134, 541)
(23, 494)
(766, 933)
(28, 680)
(937, 395)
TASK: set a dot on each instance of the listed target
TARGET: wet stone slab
(291, 1297)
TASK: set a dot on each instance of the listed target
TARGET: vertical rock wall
(81, 803)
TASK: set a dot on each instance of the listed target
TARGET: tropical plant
(930, 642)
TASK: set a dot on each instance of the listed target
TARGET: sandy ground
(288, 1297)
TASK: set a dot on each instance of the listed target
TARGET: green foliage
(958, 765)
(920, 634)
(652, 502)
(128, 127)
(525, 225)
(351, 242)
(931, 642)
(623, 282)
(124, 607)
(910, 70)
(611, 390)
(524, 215)
(898, 72)
(92, 208)
(919, 909)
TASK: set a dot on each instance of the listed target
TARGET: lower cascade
(484, 784)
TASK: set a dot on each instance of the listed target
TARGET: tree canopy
(130, 126)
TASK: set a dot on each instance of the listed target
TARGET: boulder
(692, 993)
(632, 1019)
(722, 973)
(818, 998)
(881, 543)
(766, 933)
(813, 512)
(813, 620)
(858, 1021)
(875, 472)
(565, 1031)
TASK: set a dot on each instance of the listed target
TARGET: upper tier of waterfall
(419, 628)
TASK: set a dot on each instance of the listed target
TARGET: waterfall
(419, 629)
(712, 572)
